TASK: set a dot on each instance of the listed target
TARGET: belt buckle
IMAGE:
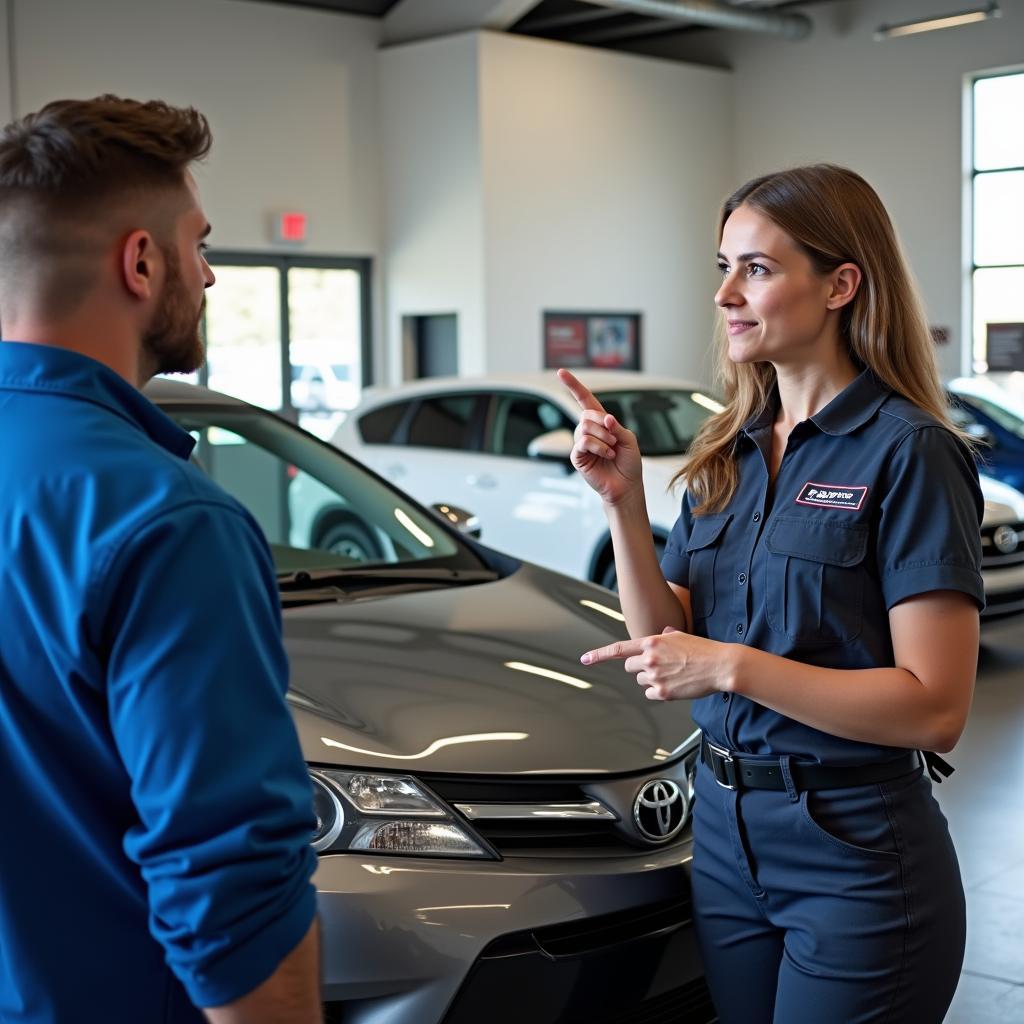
(725, 758)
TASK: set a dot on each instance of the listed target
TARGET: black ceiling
(370, 8)
(575, 21)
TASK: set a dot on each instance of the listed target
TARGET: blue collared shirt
(873, 503)
(156, 810)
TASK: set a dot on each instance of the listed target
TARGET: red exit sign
(290, 226)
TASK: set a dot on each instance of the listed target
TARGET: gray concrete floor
(984, 802)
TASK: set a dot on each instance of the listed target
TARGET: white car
(1002, 548)
(500, 446)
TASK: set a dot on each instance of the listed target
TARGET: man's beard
(172, 340)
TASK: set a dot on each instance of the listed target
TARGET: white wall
(290, 94)
(603, 173)
(524, 175)
(433, 215)
(891, 110)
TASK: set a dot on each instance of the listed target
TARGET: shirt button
(757, 517)
(739, 627)
(742, 578)
(725, 697)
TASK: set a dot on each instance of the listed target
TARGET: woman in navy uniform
(818, 600)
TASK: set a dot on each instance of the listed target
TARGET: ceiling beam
(715, 14)
(410, 20)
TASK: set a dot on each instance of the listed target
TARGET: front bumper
(401, 936)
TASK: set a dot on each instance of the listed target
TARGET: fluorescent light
(910, 28)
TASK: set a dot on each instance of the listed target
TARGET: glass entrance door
(290, 334)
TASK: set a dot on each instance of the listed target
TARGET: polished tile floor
(984, 802)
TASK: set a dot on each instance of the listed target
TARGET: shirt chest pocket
(814, 578)
(705, 540)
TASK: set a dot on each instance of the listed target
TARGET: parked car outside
(994, 415)
(500, 445)
(503, 835)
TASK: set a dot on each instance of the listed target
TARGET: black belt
(735, 772)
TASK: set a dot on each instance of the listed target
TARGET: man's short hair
(69, 172)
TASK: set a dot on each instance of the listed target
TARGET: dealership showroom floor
(984, 802)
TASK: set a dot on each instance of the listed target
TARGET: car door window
(518, 419)
(379, 425)
(445, 422)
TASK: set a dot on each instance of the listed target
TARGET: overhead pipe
(717, 15)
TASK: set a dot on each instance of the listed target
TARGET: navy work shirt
(874, 502)
(155, 810)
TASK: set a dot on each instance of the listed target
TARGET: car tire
(609, 578)
(350, 538)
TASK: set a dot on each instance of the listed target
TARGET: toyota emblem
(660, 810)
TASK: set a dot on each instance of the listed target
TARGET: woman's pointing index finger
(583, 395)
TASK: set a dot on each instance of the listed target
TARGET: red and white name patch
(832, 495)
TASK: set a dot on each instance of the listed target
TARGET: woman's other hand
(672, 665)
(605, 453)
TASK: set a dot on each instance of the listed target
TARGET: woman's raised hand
(605, 453)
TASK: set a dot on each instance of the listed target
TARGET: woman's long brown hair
(836, 217)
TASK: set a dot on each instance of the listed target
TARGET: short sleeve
(929, 533)
(196, 684)
(675, 562)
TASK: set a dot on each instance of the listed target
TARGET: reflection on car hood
(480, 679)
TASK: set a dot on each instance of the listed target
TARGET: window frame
(282, 263)
(971, 362)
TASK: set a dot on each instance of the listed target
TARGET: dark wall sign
(1004, 346)
(608, 340)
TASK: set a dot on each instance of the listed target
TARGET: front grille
(552, 836)
(575, 938)
(636, 966)
(690, 1004)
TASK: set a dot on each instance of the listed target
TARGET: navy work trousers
(840, 906)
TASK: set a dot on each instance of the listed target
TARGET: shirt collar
(46, 368)
(850, 409)
(853, 406)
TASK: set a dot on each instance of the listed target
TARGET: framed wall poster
(1004, 346)
(605, 340)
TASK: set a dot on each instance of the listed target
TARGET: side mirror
(980, 433)
(555, 445)
(463, 521)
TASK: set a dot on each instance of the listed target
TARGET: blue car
(995, 416)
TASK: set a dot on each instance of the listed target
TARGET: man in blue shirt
(154, 854)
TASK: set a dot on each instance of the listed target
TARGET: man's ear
(141, 263)
(845, 282)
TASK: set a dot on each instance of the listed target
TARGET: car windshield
(318, 509)
(665, 420)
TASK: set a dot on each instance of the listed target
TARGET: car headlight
(391, 814)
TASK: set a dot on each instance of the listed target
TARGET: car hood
(475, 679)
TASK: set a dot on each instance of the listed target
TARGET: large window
(290, 334)
(997, 250)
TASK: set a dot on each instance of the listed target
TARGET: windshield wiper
(344, 579)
